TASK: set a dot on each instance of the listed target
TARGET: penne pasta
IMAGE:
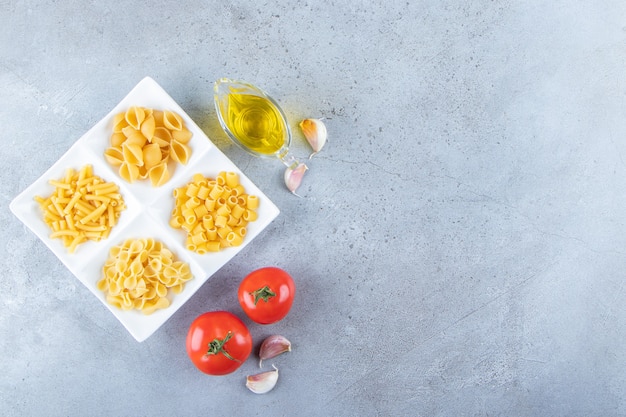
(82, 207)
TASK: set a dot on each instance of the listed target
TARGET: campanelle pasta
(82, 207)
(213, 212)
(140, 273)
(144, 140)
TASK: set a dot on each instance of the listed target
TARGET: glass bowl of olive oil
(253, 120)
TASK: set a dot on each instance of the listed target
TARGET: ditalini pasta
(82, 207)
(213, 212)
(140, 273)
(144, 140)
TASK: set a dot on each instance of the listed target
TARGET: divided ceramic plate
(148, 208)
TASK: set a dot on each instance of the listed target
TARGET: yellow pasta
(237, 211)
(252, 202)
(200, 211)
(82, 207)
(232, 179)
(148, 127)
(182, 136)
(216, 192)
(139, 274)
(210, 204)
(192, 190)
(220, 221)
(180, 152)
(203, 192)
(134, 116)
(162, 137)
(152, 155)
(234, 239)
(129, 172)
(172, 121)
(192, 202)
(133, 154)
(199, 238)
(213, 246)
(176, 221)
(213, 212)
(211, 234)
(159, 174)
(249, 215)
(142, 142)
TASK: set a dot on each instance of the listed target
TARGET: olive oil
(256, 122)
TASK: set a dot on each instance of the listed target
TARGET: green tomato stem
(217, 346)
(264, 293)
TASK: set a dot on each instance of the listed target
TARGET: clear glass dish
(253, 120)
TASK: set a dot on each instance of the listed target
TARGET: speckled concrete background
(459, 246)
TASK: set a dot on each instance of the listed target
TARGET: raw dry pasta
(214, 212)
(82, 207)
(144, 140)
(140, 273)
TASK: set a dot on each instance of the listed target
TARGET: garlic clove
(314, 131)
(273, 346)
(263, 382)
(293, 177)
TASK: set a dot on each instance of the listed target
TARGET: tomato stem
(264, 293)
(217, 346)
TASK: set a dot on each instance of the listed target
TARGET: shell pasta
(214, 212)
(140, 273)
(144, 141)
(82, 207)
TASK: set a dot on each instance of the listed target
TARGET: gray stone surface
(460, 244)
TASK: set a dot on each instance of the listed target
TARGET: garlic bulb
(293, 177)
(263, 382)
(273, 346)
(314, 131)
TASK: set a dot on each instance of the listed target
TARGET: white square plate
(148, 208)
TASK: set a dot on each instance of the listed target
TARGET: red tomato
(266, 295)
(218, 342)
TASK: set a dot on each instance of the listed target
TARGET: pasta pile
(213, 212)
(139, 274)
(82, 207)
(143, 141)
